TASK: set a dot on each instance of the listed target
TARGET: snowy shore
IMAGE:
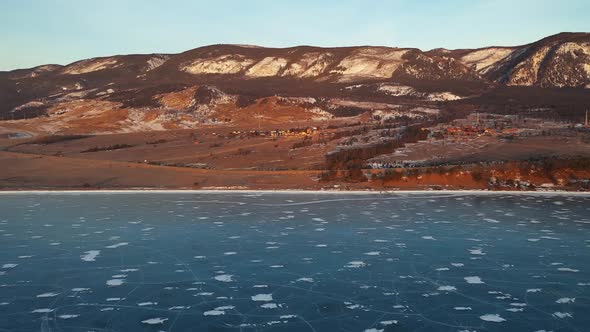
(286, 191)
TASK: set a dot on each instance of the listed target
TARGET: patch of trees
(56, 139)
(354, 124)
(346, 111)
(159, 141)
(108, 148)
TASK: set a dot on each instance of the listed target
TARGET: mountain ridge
(509, 65)
(248, 71)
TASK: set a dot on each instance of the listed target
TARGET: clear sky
(34, 32)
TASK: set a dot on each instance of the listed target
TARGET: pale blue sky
(34, 32)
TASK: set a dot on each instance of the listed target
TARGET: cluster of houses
(503, 126)
(293, 132)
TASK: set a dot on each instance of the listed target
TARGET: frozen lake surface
(294, 262)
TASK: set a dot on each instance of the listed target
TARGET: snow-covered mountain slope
(558, 61)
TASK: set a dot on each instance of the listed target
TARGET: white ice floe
(562, 315)
(373, 253)
(9, 266)
(492, 318)
(262, 297)
(428, 237)
(567, 269)
(115, 282)
(117, 245)
(305, 279)
(269, 306)
(179, 307)
(474, 280)
(442, 269)
(355, 264)
(129, 270)
(154, 321)
(90, 256)
(447, 288)
(462, 308)
(457, 264)
(47, 295)
(533, 290)
(68, 316)
(230, 253)
(373, 330)
(224, 277)
(288, 316)
(564, 300)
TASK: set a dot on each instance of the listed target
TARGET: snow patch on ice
(492, 318)
(68, 316)
(42, 311)
(474, 280)
(90, 256)
(155, 321)
(355, 264)
(117, 245)
(564, 300)
(262, 297)
(224, 277)
(562, 315)
(115, 282)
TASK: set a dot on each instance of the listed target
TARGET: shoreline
(294, 191)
